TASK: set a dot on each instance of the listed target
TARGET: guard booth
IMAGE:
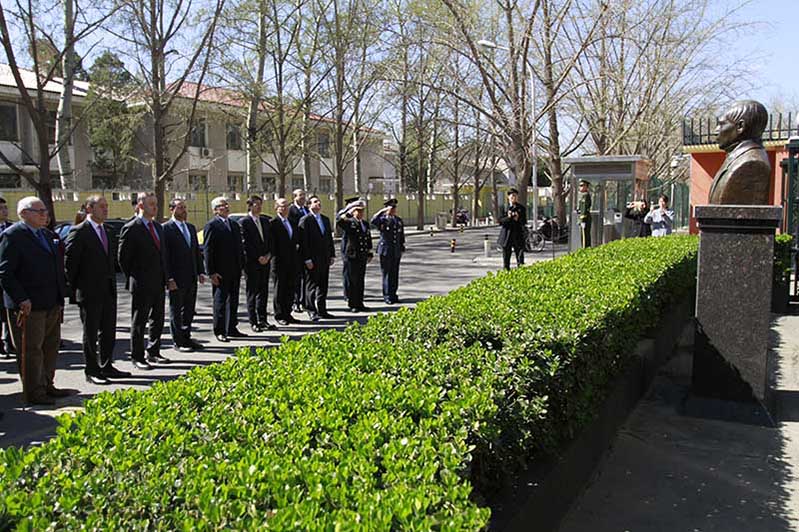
(615, 181)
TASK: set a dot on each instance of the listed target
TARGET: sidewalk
(667, 472)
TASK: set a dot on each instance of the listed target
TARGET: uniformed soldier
(345, 267)
(584, 213)
(390, 248)
(357, 252)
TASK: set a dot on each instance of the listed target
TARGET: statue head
(744, 120)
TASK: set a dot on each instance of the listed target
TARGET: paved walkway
(429, 268)
(668, 473)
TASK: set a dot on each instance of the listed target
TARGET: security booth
(615, 180)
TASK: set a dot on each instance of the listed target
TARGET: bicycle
(548, 231)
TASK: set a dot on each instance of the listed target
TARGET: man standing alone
(318, 252)
(32, 278)
(511, 234)
(89, 265)
(184, 268)
(142, 257)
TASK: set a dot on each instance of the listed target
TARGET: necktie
(287, 225)
(259, 227)
(321, 225)
(185, 231)
(151, 226)
(103, 237)
(43, 241)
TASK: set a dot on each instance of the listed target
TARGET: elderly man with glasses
(32, 278)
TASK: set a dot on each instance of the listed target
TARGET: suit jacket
(30, 271)
(142, 261)
(184, 262)
(744, 178)
(512, 231)
(224, 252)
(285, 249)
(3, 226)
(392, 235)
(254, 245)
(314, 245)
(359, 239)
(89, 269)
(295, 214)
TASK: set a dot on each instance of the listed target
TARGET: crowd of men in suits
(294, 249)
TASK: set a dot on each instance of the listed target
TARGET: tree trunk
(456, 173)
(553, 149)
(253, 161)
(64, 116)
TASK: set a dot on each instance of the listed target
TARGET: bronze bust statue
(745, 176)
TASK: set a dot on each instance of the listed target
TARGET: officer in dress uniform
(584, 213)
(390, 248)
(345, 267)
(357, 253)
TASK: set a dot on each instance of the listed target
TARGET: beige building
(18, 140)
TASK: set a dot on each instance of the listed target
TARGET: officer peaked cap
(391, 203)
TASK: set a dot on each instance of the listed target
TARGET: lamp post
(534, 178)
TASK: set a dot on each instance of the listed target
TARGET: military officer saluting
(584, 213)
(390, 248)
(357, 253)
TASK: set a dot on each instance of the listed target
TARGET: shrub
(390, 425)
(782, 257)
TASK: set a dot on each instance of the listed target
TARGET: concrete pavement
(428, 268)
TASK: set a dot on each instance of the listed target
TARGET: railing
(700, 131)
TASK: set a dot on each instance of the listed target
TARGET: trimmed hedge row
(391, 425)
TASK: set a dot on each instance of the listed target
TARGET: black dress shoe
(292, 319)
(388, 301)
(328, 316)
(256, 328)
(222, 338)
(281, 321)
(363, 308)
(110, 372)
(142, 364)
(96, 379)
(313, 316)
(266, 326)
(235, 333)
(194, 344)
(355, 309)
(184, 348)
(157, 358)
(42, 400)
(52, 391)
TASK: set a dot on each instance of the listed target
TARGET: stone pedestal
(733, 302)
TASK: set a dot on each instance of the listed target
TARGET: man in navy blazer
(224, 258)
(285, 261)
(255, 229)
(5, 346)
(318, 252)
(32, 278)
(142, 258)
(89, 267)
(184, 267)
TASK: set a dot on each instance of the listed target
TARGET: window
(324, 184)
(269, 183)
(235, 182)
(323, 145)
(198, 134)
(297, 182)
(233, 137)
(10, 181)
(8, 123)
(198, 182)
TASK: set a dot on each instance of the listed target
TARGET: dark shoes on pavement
(110, 372)
(235, 333)
(222, 338)
(142, 364)
(52, 391)
(41, 400)
(98, 379)
(157, 358)
(263, 326)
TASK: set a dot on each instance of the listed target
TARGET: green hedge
(398, 424)
(782, 257)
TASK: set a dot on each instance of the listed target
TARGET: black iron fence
(699, 131)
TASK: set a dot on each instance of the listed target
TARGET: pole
(533, 149)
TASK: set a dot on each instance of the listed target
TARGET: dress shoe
(222, 338)
(256, 328)
(58, 392)
(328, 316)
(235, 333)
(266, 326)
(157, 358)
(387, 301)
(96, 379)
(281, 321)
(142, 364)
(194, 344)
(184, 348)
(363, 308)
(313, 316)
(41, 400)
(355, 309)
(110, 372)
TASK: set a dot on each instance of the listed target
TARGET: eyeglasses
(38, 211)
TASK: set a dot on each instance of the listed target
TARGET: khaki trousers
(42, 340)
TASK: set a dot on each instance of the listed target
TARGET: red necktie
(155, 237)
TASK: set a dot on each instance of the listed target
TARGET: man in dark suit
(224, 259)
(142, 257)
(89, 265)
(285, 241)
(511, 233)
(297, 210)
(255, 229)
(184, 267)
(357, 254)
(390, 247)
(32, 278)
(345, 274)
(318, 252)
(6, 348)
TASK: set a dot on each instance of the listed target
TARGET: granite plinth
(733, 301)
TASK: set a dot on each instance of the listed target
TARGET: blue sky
(776, 42)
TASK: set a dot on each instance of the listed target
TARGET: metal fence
(700, 131)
